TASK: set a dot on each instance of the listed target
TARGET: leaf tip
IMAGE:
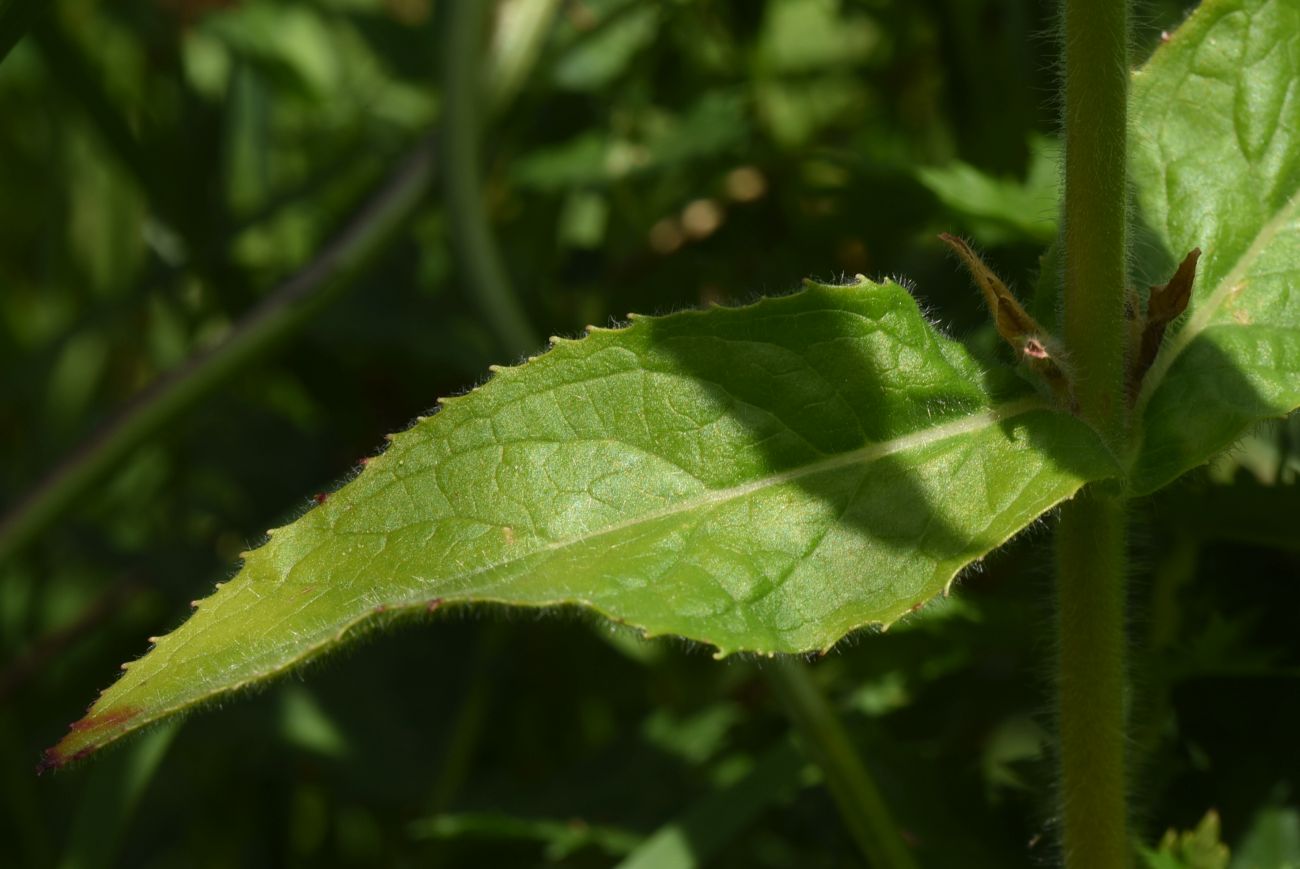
(86, 736)
(50, 759)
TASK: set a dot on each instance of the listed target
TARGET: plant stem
(861, 805)
(1095, 220)
(464, 95)
(1091, 679)
(290, 307)
(1091, 540)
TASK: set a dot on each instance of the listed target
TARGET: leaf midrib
(866, 454)
(863, 455)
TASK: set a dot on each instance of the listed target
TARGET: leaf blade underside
(764, 479)
(1216, 165)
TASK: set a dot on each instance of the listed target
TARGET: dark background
(165, 165)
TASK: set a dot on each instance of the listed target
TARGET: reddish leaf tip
(88, 733)
(50, 759)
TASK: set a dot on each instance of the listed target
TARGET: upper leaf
(765, 478)
(1216, 163)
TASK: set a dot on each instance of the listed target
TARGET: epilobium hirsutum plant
(773, 477)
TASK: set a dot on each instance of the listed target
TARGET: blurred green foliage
(164, 166)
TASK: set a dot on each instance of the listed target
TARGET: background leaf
(766, 478)
(1216, 161)
(16, 16)
(1272, 842)
(997, 209)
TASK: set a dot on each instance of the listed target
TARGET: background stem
(862, 806)
(284, 313)
(1091, 544)
(465, 99)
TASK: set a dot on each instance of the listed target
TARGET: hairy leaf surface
(1216, 161)
(765, 478)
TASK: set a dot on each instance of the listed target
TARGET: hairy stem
(862, 806)
(1095, 219)
(1091, 540)
(1091, 681)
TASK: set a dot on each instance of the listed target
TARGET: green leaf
(608, 48)
(1190, 849)
(766, 478)
(1001, 210)
(1272, 842)
(1216, 162)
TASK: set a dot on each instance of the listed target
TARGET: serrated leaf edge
(121, 722)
